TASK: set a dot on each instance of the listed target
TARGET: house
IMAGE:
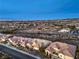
(3, 37)
(37, 43)
(14, 40)
(23, 41)
(20, 41)
(64, 30)
(61, 50)
(29, 43)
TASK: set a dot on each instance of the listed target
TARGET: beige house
(62, 50)
(3, 37)
(37, 43)
(29, 43)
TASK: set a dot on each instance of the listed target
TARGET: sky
(39, 9)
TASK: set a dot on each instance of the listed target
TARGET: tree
(42, 49)
(73, 27)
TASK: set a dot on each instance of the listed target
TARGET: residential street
(15, 53)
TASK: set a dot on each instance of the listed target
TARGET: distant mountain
(21, 20)
(71, 19)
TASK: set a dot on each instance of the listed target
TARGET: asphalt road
(15, 53)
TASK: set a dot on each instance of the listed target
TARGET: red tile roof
(63, 48)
